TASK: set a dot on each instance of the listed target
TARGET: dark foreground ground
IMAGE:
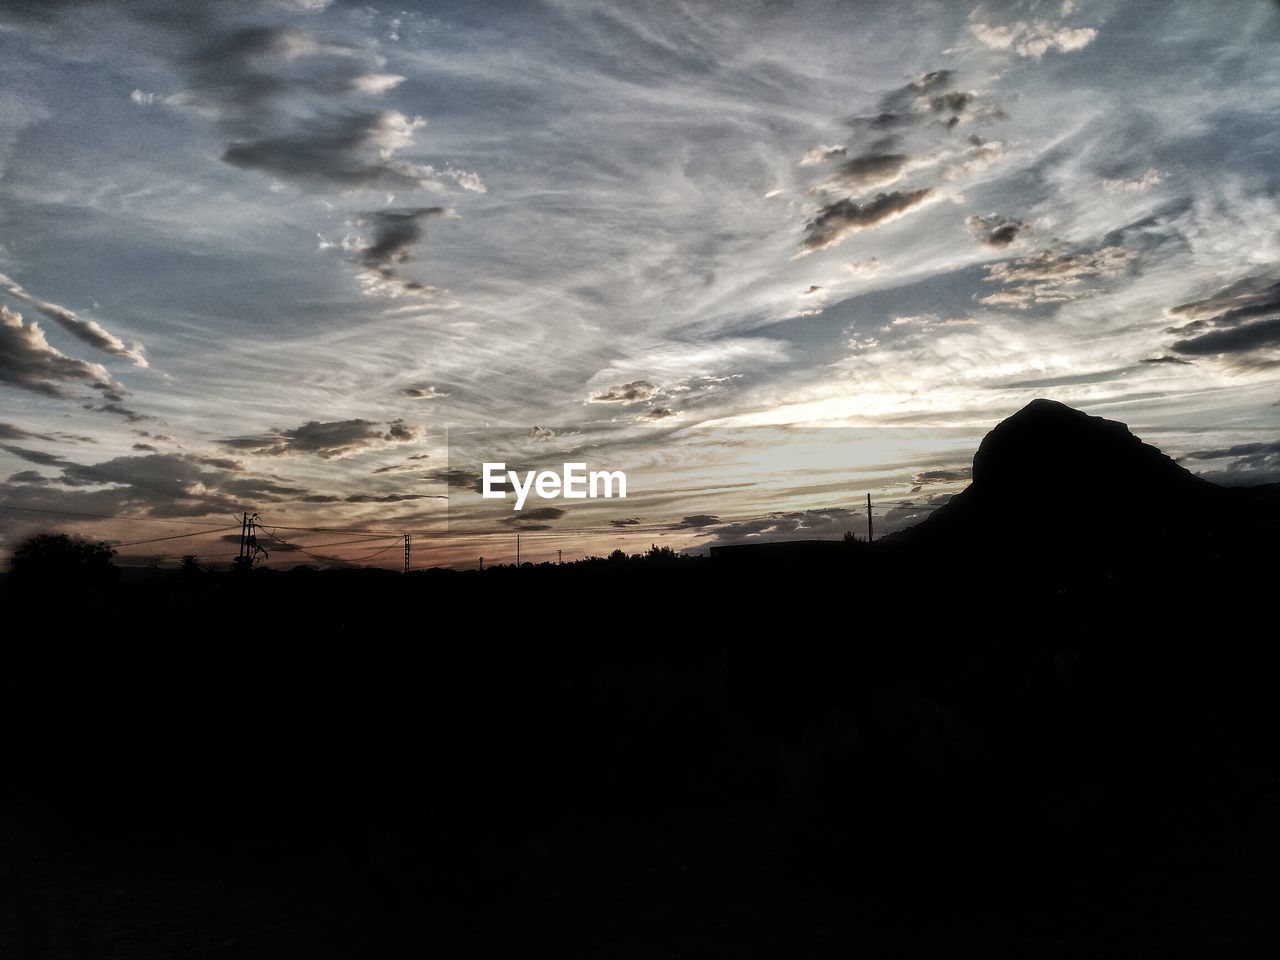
(859, 756)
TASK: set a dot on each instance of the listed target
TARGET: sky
(319, 260)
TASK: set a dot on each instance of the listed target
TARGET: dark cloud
(636, 391)
(340, 150)
(118, 410)
(1241, 321)
(1247, 338)
(696, 522)
(389, 497)
(395, 234)
(927, 98)
(1257, 462)
(836, 220)
(9, 432)
(657, 413)
(994, 230)
(287, 102)
(35, 456)
(294, 106)
(872, 170)
(457, 478)
(880, 122)
(956, 475)
(625, 522)
(536, 519)
(1167, 359)
(1245, 299)
(326, 440)
(28, 361)
(29, 477)
(145, 448)
(422, 393)
(162, 484)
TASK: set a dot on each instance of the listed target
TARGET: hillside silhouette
(1038, 723)
(1054, 475)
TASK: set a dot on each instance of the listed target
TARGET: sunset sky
(318, 260)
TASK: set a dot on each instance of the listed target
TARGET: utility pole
(408, 540)
(517, 551)
(482, 563)
(249, 548)
(869, 527)
(559, 556)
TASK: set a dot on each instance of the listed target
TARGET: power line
(317, 556)
(376, 534)
(177, 536)
(103, 516)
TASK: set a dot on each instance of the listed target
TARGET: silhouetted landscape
(1039, 723)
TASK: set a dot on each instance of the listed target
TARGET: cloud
(926, 99)
(826, 523)
(161, 484)
(1246, 338)
(1054, 276)
(118, 410)
(389, 497)
(457, 478)
(821, 154)
(696, 522)
(35, 456)
(1139, 184)
(625, 522)
(537, 518)
(290, 104)
(29, 477)
(1242, 320)
(994, 230)
(872, 170)
(637, 391)
(327, 440)
(926, 477)
(422, 393)
(838, 219)
(657, 413)
(1257, 462)
(1167, 359)
(1030, 38)
(89, 331)
(978, 156)
(28, 361)
(9, 432)
(395, 234)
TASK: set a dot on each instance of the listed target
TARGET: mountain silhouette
(1057, 477)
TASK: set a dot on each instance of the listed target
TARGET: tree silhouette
(55, 557)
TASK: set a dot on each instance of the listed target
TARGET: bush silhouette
(70, 561)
